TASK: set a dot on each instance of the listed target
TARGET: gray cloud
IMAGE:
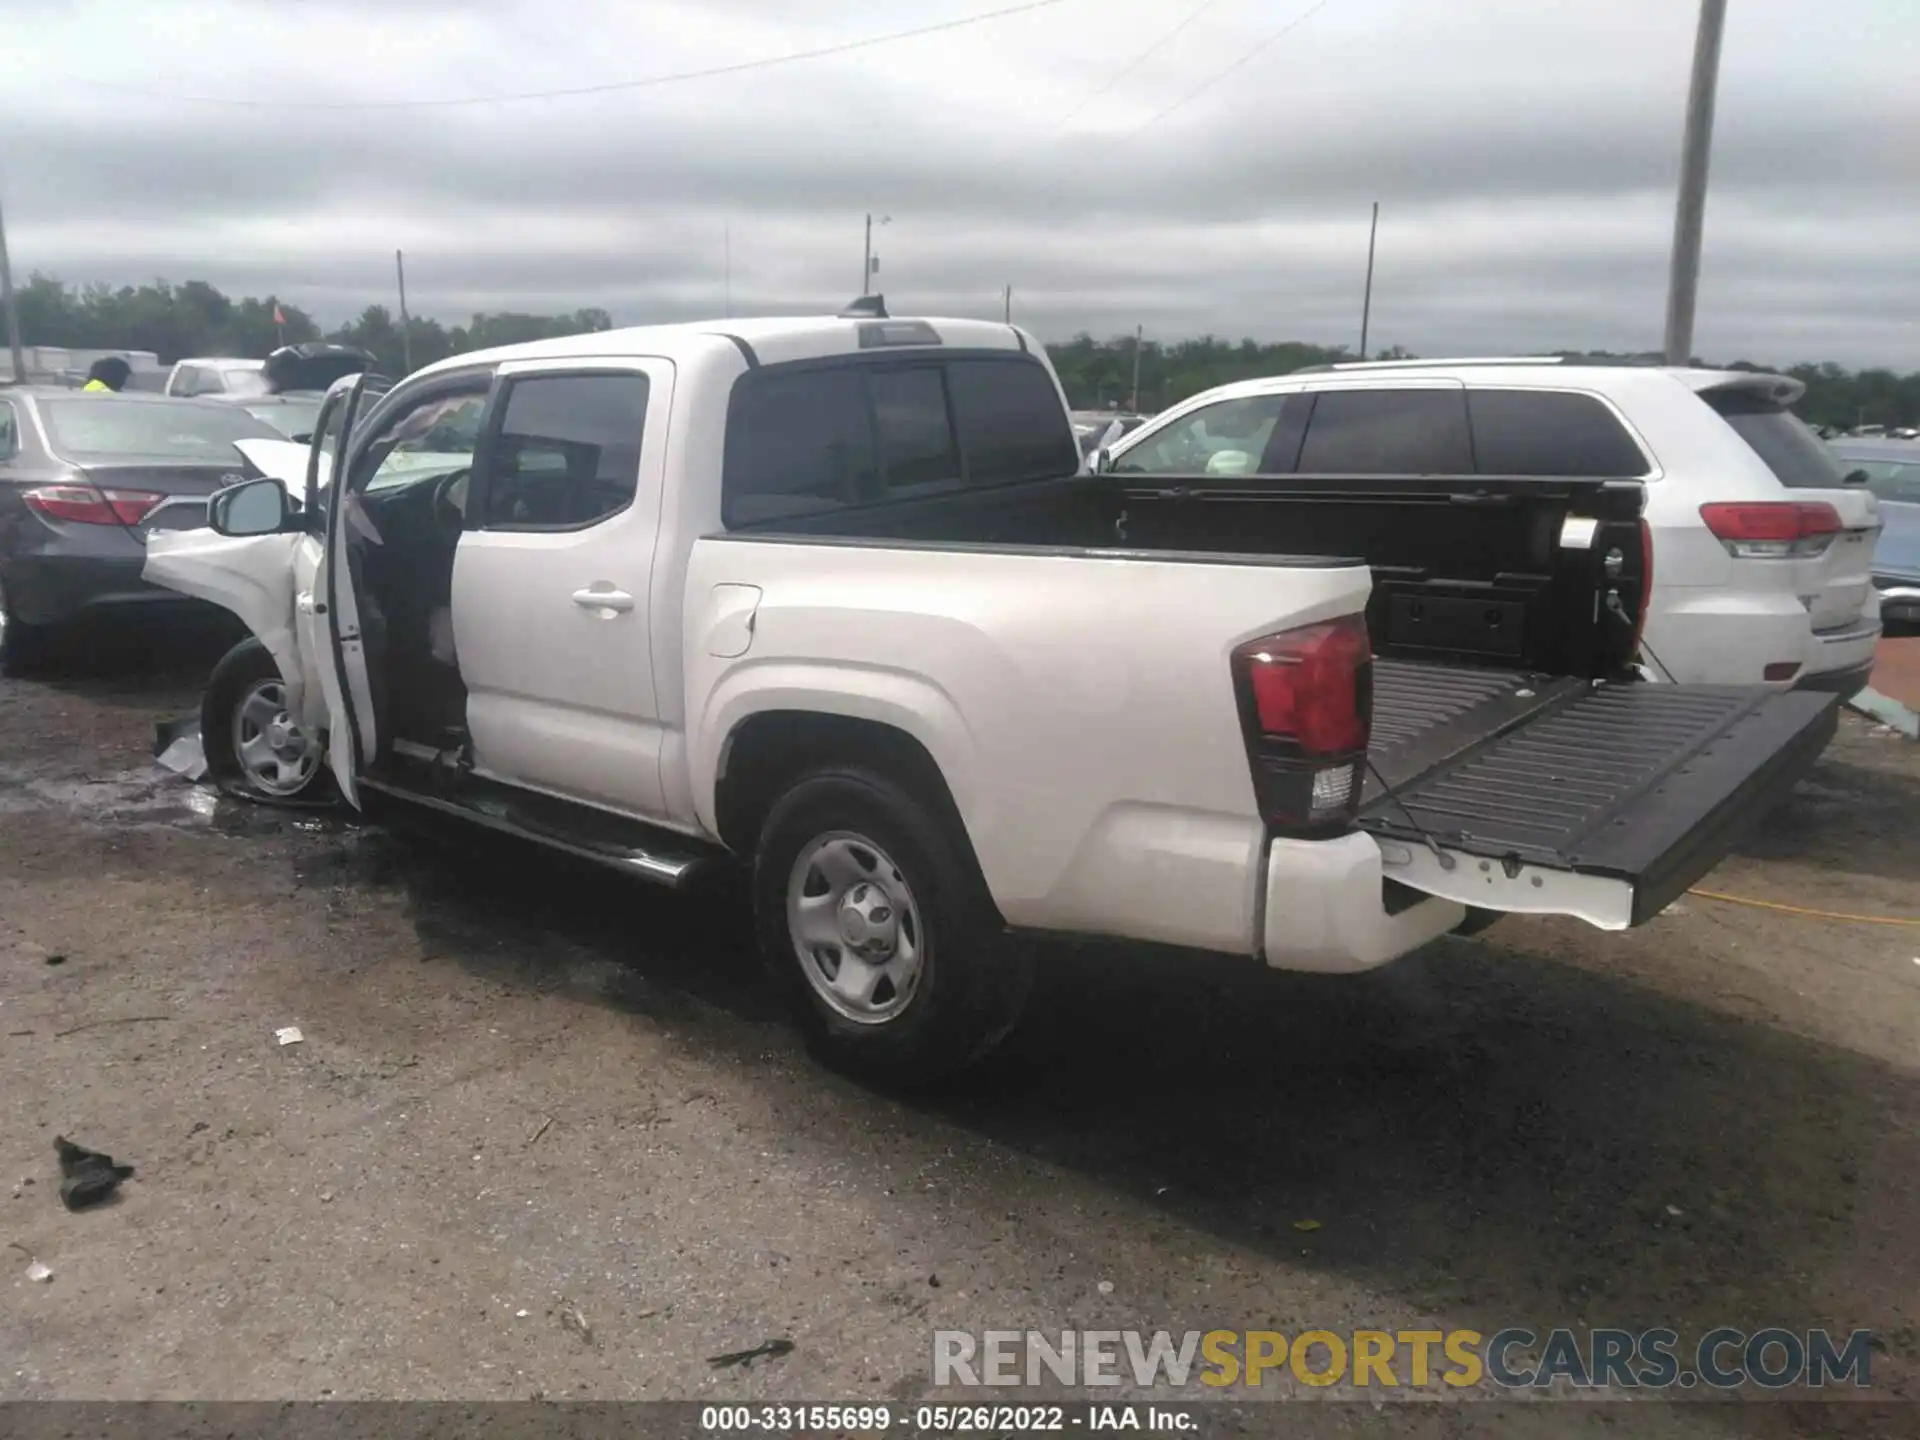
(1525, 155)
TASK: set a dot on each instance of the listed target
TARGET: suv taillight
(1306, 707)
(1773, 529)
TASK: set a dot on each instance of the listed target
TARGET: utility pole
(1007, 310)
(406, 325)
(726, 251)
(1689, 217)
(1133, 396)
(12, 309)
(1366, 304)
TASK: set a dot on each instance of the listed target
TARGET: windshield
(292, 418)
(101, 427)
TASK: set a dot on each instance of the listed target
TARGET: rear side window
(1388, 432)
(568, 452)
(1799, 459)
(801, 442)
(1010, 422)
(797, 443)
(1537, 433)
(911, 424)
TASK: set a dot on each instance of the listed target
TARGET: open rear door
(1532, 795)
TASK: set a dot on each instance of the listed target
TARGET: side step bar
(628, 846)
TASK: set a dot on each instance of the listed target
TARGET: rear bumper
(1726, 637)
(1326, 908)
(1845, 683)
(54, 586)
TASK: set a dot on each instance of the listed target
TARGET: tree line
(194, 318)
(176, 321)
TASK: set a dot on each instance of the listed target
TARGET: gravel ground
(546, 1134)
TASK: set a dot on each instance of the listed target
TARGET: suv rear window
(1550, 433)
(1799, 459)
(804, 441)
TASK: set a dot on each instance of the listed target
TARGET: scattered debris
(545, 1125)
(326, 1197)
(1105, 1287)
(1675, 1211)
(39, 1272)
(17, 1034)
(289, 1035)
(933, 1281)
(1306, 1225)
(521, 1314)
(662, 1312)
(91, 1176)
(115, 1020)
(177, 746)
(56, 959)
(767, 1348)
(572, 1321)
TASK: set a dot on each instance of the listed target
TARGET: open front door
(328, 611)
(1531, 795)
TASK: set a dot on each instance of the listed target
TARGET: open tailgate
(1540, 796)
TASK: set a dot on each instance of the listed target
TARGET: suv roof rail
(1343, 366)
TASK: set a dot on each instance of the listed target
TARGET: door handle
(617, 600)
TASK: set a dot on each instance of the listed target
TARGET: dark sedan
(84, 478)
(1892, 469)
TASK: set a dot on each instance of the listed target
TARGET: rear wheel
(254, 746)
(23, 648)
(877, 925)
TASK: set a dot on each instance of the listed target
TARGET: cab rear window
(1798, 458)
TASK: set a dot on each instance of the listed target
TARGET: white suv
(1761, 553)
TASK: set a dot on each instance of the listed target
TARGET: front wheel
(877, 925)
(253, 745)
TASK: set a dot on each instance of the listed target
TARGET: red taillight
(1306, 706)
(87, 505)
(1773, 529)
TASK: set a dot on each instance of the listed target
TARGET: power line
(609, 87)
(1246, 59)
(1134, 64)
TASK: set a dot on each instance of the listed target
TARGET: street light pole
(1689, 218)
(12, 309)
(866, 261)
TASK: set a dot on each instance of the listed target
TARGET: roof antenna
(867, 307)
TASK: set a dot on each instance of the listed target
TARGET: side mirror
(253, 507)
(1099, 461)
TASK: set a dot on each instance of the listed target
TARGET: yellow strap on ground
(1802, 910)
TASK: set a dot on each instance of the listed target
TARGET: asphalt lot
(529, 1094)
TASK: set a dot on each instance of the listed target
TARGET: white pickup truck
(838, 597)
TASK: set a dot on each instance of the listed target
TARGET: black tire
(239, 673)
(24, 649)
(973, 978)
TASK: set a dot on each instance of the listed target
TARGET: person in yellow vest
(108, 373)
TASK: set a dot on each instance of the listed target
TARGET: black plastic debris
(90, 1176)
(767, 1348)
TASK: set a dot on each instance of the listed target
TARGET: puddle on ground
(151, 796)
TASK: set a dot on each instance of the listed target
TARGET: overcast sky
(1524, 151)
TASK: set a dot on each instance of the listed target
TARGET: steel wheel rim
(279, 758)
(855, 927)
